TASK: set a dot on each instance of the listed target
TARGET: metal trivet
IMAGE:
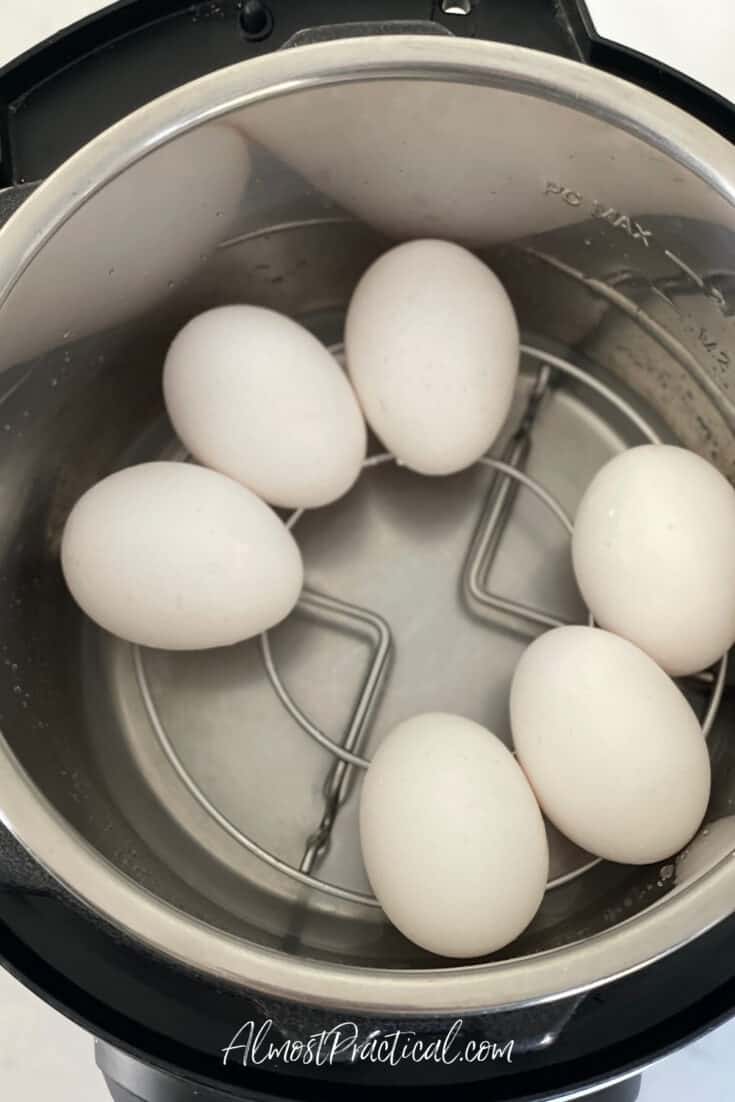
(510, 476)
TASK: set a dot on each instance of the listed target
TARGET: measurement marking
(711, 291)
(685, 268)
(662, 295)
(616, 218)
(622, 222)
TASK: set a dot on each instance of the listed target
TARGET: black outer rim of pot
(694, 969)
(707, 1003)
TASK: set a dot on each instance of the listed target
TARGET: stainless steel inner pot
(135, 777)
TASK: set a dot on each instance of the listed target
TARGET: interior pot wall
(611, 250)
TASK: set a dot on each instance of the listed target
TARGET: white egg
(612, 748)
(654, 555)
(256, 396)
(176, 556)
(452, 838)
(432, 349)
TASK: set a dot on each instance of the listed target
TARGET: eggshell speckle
(654, 555)
(432, 348)
(254, 395)
(612, 748)
(176, 556)
(452, 838)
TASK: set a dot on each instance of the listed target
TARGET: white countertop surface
(45, 1058)
(695, 38)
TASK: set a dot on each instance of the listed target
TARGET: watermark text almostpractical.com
(256, 1044)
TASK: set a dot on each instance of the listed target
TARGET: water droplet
(24, 703)
(54, 381)
(14, 667)
(6, 428)
(26, 413)
(667, 872)
(17, 689)
(705, 832)
(67, 335)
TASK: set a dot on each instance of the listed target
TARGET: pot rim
(25, 811)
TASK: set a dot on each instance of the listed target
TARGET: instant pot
(180, 866)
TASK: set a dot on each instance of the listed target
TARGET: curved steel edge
(126, 1042)
(33, 821)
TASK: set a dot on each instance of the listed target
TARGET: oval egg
(254, 395)
(654, 555)
(432, 348)
(612, 748)
(175, 556)
(452, 838)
